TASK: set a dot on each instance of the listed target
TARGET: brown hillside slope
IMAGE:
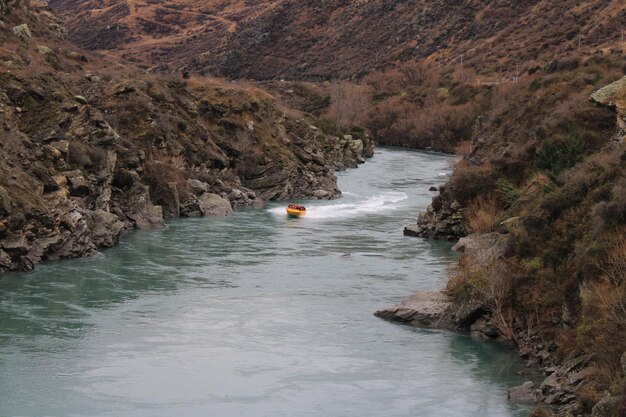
(339, 38)
(89, 148)
(541, 195)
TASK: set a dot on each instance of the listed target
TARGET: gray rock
(144, 214)
(62, 146)
(105, 228)
(44, 50)
(482, 248)
(15, 246)
(5, 260)
(523, 393)
(356, 146)
(610, 94)
(78, 184)
(483, 327)
(415, 231)
(551, 383)
(213, 205)
(607, 407)
(23, 32)
(422, 309)
(322, 194)
(197, 187)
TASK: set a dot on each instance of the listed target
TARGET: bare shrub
(469, 181)
(166, 178)
(414, 74)
(488, 282)
(463, 148)
(603, 326)
(349, 102)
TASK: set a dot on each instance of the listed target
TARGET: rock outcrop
(422, 309)
(445, 223)
(614, 96)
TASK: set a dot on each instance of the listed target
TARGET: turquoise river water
(253, 315)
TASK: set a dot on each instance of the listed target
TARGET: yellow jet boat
(296, 210)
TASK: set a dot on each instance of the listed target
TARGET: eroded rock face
(445, 223)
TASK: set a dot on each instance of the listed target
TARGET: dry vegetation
(542, 154)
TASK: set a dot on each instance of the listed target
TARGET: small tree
(349, 101)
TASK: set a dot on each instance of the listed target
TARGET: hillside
(530, 93)
(90, 147)
(540, 195)
(339, 38)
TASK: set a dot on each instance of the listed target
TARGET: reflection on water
(252, 315)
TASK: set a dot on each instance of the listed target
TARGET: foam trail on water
(383, 202)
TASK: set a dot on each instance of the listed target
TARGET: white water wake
(386, 201)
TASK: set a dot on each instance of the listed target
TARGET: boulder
(414, 231)
(607, 407)
(483, 249)
(141, 211)
(78, 184)
(44, 50)
(356, 146)
(197, 187)
(322, 194)
(51, 152)
(214, 205)
(105, 228)
(523, 393)
(483, 329)
(5, 260)
(23, 32)
(62, 146)
(422, 309)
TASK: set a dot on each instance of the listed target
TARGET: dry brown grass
(603, 325)
(463, 148)
(484, 213)
(491, 283)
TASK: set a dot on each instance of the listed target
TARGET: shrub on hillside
(470, 181)
(167, 181)
(557, 155)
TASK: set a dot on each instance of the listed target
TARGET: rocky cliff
(90, 148)
(541, 196)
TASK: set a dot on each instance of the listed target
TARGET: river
(253, 315)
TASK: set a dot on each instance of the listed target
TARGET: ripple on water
(253, 315)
